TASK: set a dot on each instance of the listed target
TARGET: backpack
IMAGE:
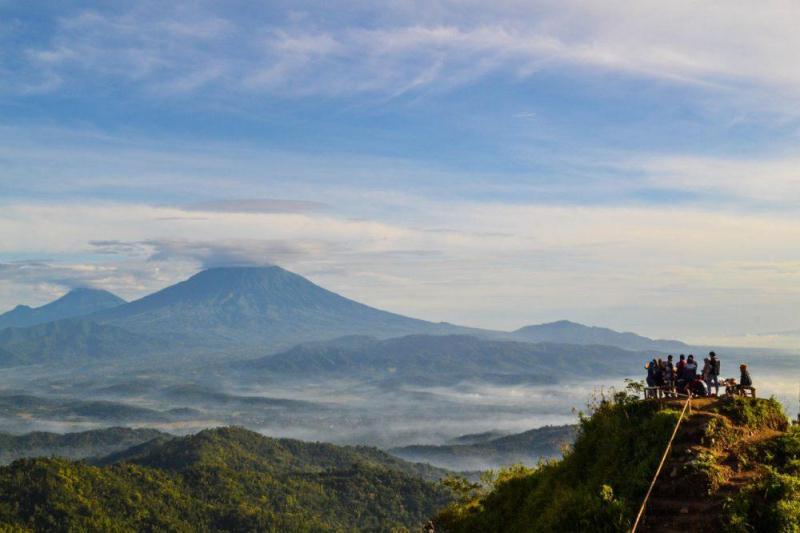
(716, 367)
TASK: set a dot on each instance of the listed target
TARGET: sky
(493, 164)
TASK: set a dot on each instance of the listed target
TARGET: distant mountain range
(495, 451)
(80, 445)
(77, 302)
(237, 312)
(441, 359)
(565, 331)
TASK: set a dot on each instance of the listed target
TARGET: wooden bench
(652, 393)
(747, 391)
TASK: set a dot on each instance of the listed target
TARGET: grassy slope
(707, 482)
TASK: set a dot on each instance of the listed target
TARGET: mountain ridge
(575, 333)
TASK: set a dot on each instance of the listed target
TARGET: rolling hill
(76, 303)
(521, 448)
(568, 332)
(226, 479)
(79, 445)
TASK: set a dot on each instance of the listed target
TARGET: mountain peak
(259, 307)
(75, 303)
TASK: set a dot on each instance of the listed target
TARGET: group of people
(686, 375)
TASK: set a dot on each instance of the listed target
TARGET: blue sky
(487, 164)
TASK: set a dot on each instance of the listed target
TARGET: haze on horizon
(634, 167)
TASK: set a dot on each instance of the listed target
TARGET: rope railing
(661, 464)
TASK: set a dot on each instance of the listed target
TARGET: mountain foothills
(236, 312)
(72, 340)
(226, 479)
(77, 302)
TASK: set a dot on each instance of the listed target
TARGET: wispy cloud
(452, 43)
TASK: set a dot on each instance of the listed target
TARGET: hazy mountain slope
(521, 448)
(79, 445)
(444, 358)
(568, 332)
(258, 307)
(76, 303)
(9, 359)
(227, 479)
(72, 340)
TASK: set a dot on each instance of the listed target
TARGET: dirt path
(701, 473)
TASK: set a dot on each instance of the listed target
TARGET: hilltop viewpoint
(734, 466)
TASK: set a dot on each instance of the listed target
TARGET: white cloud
(498, 265)
(389, 47)
(774, 181)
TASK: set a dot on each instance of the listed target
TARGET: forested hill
(79, 445)
(735, 466)
(227, 479)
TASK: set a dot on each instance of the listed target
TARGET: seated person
(745, 381)
(698, 387)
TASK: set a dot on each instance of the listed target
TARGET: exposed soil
(701, 472)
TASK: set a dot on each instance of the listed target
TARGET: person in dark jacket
(651, 373)
(690, 369)
(679, 380)
(745, 379)
(669, 373)
(713, 375)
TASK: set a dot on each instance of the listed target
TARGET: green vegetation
(754, 413)
(226, 479)
(735, 464)
(79, 445)
(596, 487)
(772, 502)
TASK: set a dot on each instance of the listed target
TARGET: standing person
(706, 372)
(681, 382)
(658, 375)
(690, 368)
(669, 374)
(651, 373)
(713, 377)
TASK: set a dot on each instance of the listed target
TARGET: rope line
(660, 465)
